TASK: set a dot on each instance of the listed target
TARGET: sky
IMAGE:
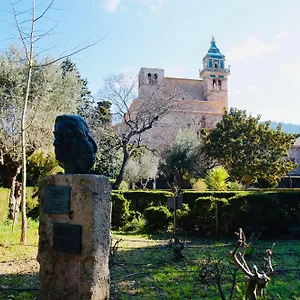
(260, 39)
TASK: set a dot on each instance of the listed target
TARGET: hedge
(189, 197)
(120, 210)
(269, 212)
(141, 200)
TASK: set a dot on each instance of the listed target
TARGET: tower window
(214, 84)
(216, 65)
(155, 78)
(220, 84)
(149, 78)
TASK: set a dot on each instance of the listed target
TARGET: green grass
(4, 198)
(146, 269)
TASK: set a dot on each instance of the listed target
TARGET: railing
(220, 70)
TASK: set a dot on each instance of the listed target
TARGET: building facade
(196, 103)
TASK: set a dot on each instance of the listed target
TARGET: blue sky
(260, 39)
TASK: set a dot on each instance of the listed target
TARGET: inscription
(67, 238)
(57, 199)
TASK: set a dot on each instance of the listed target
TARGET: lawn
(145, 267)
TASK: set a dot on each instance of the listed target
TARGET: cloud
(112, 5)
(153, 5)
(255, 47)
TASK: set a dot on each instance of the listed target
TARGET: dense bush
(157, 218)
(39, 165)
(184, 220)
(32, 202)
(140, 200)
(120, 210)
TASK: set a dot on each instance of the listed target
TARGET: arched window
(214, 84)
(220, 84)
(216, 65)
(155, 77)
(149, 78)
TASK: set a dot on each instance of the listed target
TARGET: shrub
(199, 185)
(216, 179)
(32, 202)
(140, 200)
(135, 223)
(39, 165)
(120, 210)
(184, 219)
(157, 218)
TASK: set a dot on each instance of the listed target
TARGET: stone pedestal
(75, 269)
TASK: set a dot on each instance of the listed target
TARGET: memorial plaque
(57, 199)
(67, 238)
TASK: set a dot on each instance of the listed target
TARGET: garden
(144, 263)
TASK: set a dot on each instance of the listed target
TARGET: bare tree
(135, 115)
(256, 281)
(29, 39)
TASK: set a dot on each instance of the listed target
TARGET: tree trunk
(121, 176)
(14, 199)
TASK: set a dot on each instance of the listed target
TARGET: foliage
(141, 168)
(190, 197)
(120, 210)
(4, 197)
(249, 149)
(51, 94)
(136, 222)
(39, 165)
(183, 160)
(132, 172)
(216, 179)
(183, 218)
(109, 157)
(234, 186)
(258, 211)
(199, 185)
(86, 95)
(157, 218)
(140, 200)
(32, 202)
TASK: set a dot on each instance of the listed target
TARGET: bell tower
(214, 75)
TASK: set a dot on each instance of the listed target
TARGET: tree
(135, 115)
(142, 167)
(25, 23)
(86, 95)
(50, 94)
(108, 157)
(249, 149)
(183, 160)
(217, 179)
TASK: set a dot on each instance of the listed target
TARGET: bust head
(74, 146)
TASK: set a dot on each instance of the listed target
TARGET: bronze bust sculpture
(74, 146)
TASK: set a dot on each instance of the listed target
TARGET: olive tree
(51, 93)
